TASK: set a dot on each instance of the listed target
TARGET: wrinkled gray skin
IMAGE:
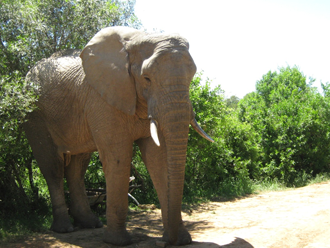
(104, 100)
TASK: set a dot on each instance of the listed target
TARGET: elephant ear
(105, 62)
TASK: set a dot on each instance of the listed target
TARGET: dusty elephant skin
(125, 86)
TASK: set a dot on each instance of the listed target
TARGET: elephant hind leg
(79, 205)
(52, 167)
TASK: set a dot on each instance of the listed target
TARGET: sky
(236, 42)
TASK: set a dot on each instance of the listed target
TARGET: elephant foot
(120, 237)
(88, 222)
(62, 226)
(183, 237)
(85, 218)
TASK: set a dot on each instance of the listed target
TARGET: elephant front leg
(116, 167)
(155, 159)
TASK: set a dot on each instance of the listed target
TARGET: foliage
(17, 226)
(232, 102)
(94, 177)
(21, 185)
(32, 29)
(292, 120)
(16, 158)
(221, 167)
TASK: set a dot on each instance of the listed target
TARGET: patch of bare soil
(292, 218)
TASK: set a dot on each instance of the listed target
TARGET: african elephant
(125, 86)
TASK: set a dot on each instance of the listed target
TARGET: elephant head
(138, 67)
(149, 76)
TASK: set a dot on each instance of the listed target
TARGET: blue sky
(235, 42)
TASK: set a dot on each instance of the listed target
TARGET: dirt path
(292, 218)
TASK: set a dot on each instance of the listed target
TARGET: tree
(32, 29)
(292, 119)
(232, 102)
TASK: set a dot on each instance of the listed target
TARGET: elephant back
(64, 53)
(55, 70)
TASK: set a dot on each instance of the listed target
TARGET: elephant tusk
(154, 132)
(199, 130)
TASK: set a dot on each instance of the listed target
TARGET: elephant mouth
(193, 123)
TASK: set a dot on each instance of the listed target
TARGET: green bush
(225, 166)
(292, 120)
(22, 188)
(16, 100)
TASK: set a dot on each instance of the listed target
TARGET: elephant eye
(148, 80)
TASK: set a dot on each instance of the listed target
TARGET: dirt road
(293, 218)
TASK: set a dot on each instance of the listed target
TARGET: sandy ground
(291, 218)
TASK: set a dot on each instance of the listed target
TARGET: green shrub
(225, 166)
(292, 120)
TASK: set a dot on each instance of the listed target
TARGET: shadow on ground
(93, 238)
(145, 228)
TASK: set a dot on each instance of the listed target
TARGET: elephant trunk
(169, 119)
(174, 126)
(176, 158)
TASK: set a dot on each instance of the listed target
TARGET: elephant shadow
(85, 240)
(145, 228)
(146, 236)
(237, 242)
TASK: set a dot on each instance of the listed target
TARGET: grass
(302, 180)
(320, 178)
(19, 226)
(243, 186)
(268, 185)
(24, 218)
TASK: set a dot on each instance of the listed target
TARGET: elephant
(125, 86)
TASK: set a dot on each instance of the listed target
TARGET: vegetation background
(278, 133)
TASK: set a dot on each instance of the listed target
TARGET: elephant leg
(79, 205)
(116, 167)
(52, 167)
(155, 159)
